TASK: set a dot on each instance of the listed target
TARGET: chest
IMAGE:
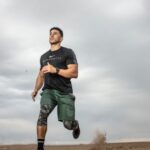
(57, 60)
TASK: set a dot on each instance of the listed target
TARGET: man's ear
(61, 39)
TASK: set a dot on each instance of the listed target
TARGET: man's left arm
(70, 72)
(72, 67)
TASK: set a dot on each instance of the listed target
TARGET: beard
(53, 43)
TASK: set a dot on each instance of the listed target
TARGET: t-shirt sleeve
(71, 58)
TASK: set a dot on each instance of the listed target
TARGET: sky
(111, 41)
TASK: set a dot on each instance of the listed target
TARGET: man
(58, 66)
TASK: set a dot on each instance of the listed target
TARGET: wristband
(57, 70)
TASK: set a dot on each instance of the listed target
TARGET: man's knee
(70, 125)
(44, 112)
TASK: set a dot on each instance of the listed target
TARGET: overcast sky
(111, 41)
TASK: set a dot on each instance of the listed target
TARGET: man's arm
(72, 67)
(38, 84)
(70, 72)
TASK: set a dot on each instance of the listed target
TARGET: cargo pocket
(72, 96)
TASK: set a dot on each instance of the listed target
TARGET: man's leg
(70, 125)
(66, 113)
(42, 125)
(73, 125)
(41, 131)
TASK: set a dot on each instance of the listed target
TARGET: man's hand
(34, 93)
(49, 69)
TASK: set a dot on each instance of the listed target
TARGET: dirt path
(110, 146)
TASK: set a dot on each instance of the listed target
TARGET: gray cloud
(111, 41)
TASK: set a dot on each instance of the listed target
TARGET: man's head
(56, 35)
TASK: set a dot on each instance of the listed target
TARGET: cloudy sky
(111, 40)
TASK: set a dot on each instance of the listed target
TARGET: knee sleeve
(70, 125)
(44, 112)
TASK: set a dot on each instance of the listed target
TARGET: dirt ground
(109, 146)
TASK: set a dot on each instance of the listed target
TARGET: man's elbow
(75, 75)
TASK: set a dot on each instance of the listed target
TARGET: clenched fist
(34, 93)
(49, 68)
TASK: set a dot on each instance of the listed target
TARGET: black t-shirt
(59, 58)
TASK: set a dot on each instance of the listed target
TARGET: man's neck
(55, 47)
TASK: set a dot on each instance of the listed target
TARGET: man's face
(55, 37)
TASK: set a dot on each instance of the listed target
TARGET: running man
(57, 66)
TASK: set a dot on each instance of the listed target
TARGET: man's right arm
(38, 84)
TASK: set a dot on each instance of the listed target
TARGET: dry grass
(99, 143)
(107, 146)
